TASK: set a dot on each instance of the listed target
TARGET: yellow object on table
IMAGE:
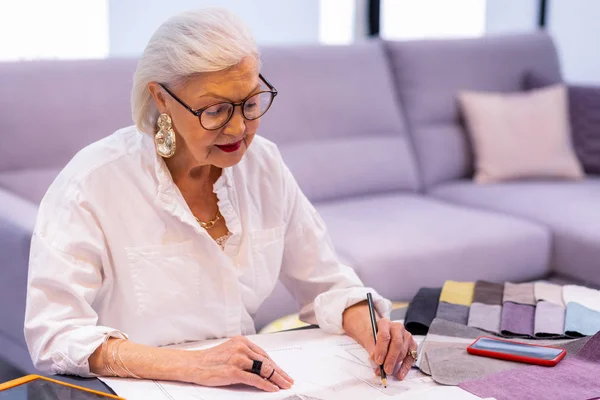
(460, 293)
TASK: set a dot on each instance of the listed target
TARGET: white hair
(193, 42)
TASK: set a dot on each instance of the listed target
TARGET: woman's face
(222, 147)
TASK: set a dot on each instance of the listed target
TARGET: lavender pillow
(584, 115)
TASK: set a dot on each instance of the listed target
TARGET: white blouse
(116, 251)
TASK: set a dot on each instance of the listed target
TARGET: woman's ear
(159, 97)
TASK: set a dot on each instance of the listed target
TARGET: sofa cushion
(17, 219)
(570, 209)
(429, 74)
(30, 184)
(337, 121)
(49, 110)
(520, 135)
(584, 113)
(399, 243)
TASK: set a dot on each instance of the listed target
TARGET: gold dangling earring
(165, 137)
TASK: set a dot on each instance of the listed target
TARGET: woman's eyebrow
(216, 96)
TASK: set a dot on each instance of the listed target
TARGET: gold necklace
(211, 223)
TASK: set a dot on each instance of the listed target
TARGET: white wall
(422, 19)
(575, 26)
(132, 22)
(511, 16)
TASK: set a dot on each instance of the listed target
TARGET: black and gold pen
(374, 326)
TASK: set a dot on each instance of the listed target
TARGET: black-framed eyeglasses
(217, 115)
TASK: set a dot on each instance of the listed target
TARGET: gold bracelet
(104, 351)
(116, 351)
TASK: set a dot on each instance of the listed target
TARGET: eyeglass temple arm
(177, 99)
(268, 83)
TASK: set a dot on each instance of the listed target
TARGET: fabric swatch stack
(543, 313)
(539, 310)
(444, 358)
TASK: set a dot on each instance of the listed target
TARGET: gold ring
(413, 354)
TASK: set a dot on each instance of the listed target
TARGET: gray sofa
(374, 137)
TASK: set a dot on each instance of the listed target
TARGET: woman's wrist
(189, 365)
(356, 322)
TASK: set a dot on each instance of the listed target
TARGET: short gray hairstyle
(193, 42)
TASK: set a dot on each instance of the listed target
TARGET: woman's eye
(215, 111)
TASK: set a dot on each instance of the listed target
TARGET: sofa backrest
(337, 120)
(49, 110)
(429, 73)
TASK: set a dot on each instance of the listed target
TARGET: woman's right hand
(230, 363)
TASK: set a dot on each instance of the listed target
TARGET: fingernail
(276, 388)
(380, 360)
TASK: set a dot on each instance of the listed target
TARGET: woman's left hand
(395, 345)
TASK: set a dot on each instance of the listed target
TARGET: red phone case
(513, 357)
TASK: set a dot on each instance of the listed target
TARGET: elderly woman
(178, 228)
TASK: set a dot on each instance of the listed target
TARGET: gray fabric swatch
(517, 319)
(453, 334)
(452, 329)
(424, 361)
(453, 365)
(488, 293)
(453, 312)
(549, 320)
(485, 317)
(520, 293)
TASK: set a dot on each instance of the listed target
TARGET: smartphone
(516, 351)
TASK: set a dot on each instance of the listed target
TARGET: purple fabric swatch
(575, 378)
(549, 320)
(517, 319)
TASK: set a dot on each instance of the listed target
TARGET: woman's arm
(226, 364)
(331, 292)
(64, 337)
(129, 359)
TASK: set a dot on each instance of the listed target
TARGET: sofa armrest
(17, 220)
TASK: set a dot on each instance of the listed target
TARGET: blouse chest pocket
(168, 281)
(267, 254)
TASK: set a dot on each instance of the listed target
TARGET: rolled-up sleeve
(311, 271)
(65, 276)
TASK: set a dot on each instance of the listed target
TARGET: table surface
(97, 384)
